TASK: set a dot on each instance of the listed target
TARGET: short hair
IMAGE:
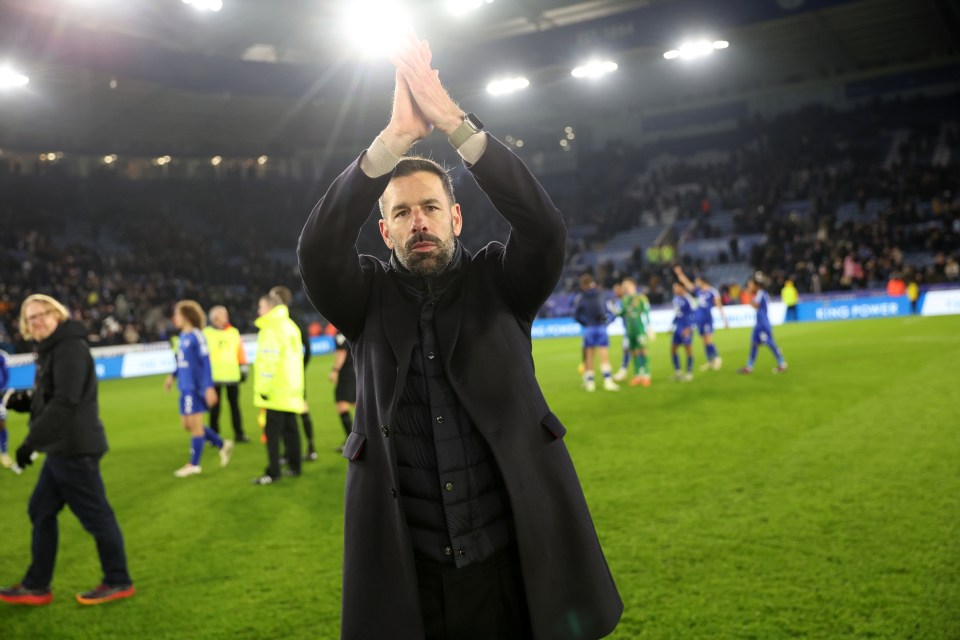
(410, 165)
(282, 293)
(585, 280)
(273, 299)
(628, 279)
(50, 303)
(192, 311)
(759, 279)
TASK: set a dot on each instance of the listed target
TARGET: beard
(427, 264)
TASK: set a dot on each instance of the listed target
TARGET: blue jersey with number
(706, 300)
(193, 363)
(4, 372)
(684, 314)
(761, 300)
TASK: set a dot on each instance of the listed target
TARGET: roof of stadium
(283, 76)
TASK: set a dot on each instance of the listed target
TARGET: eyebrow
(404, 205)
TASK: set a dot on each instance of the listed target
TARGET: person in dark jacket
(465, 518)
(592, 314)
(65, 424)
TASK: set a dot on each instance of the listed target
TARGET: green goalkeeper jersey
(635, 311)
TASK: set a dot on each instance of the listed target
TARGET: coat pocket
(354, 446)
(553, 426)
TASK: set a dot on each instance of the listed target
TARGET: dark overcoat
(484, 336)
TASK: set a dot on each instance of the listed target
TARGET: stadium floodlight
(375, 27)
(504, 86)
(10, 79)
(460, 8)
(205, 5)
(216, 160)
(262, 160)
(110, 159)
(594, 69)
(695, 49)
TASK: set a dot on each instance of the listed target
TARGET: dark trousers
(233, 395)
(282, 425)
(74, 482)
(482, 601)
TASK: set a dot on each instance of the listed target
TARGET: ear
(457, 219)
(385, 234)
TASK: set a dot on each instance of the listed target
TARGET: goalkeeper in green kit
(635, 311)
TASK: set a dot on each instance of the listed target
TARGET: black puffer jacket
(64, 415)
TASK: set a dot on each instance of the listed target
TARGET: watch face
(473, 121)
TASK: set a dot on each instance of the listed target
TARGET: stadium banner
(738, 315)
(134, 361)
(157, 358)
(853, 308)
(940, 303)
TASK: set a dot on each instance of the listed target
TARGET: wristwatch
(471, 124)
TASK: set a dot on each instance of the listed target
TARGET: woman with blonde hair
(65, 424)
(197, 391)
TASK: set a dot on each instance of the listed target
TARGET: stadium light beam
(10, 79)
(507, 85)
(375, 27)
(695, 49)
(594, 69)
(205, 5)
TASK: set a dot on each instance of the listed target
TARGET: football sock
(196, 449)
(626, 359)
(711, 351)
(605, 369)
(3, 440)
(676, 362)
(347, 422)
(776, 351)
(588, 376)
(753, 355)
(307, 429)
(690, 363)
(212, 436)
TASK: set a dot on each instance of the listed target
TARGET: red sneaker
(105, 593)
(19, 594)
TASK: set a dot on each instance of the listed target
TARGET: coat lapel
(399, 319)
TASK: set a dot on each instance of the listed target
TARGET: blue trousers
(74, 482)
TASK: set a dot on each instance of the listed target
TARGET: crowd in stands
(844, 200)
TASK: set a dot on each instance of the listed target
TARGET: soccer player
(615, 305)
(635, 311)
(344, 378)
(763, 331)
(195, 383)
(683, 321)
(707, 298)
(592, 313)
(228, 363)
(5, 459)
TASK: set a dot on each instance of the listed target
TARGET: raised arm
(682, 277)
(533, 259)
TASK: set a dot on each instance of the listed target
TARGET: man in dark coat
(464, 515)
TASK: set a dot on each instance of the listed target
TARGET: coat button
(448, 486)
(384, 430)
(460, 552)
(440, 419)
(431, 355)
(447, 551)
(393, 492)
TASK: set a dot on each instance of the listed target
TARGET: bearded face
(420, 223)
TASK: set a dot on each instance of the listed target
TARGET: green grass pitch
(824, 503)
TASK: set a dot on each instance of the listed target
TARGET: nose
(419, 219)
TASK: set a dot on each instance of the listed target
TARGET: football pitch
(822, 503)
